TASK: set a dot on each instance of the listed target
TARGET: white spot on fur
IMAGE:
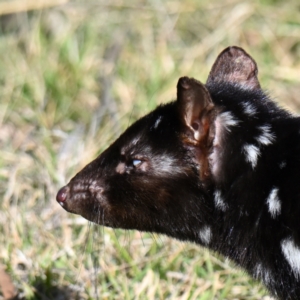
(274, 203)
(282, 164)
(267, 137)
(249, 109)
(205, 235)
(252, 153)
(226, 120)
(291, 253)
(219, 201)
(262, 273)
(157, 122)
(223, 121)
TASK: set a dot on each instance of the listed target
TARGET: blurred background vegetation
(73, 75)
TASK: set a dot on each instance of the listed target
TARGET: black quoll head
(155, 173)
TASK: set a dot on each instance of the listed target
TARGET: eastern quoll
(220, 166)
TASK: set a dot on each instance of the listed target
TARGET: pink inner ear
(194, 106)
(197, 114)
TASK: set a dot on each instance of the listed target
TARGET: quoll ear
(234, 65)
(196, 110)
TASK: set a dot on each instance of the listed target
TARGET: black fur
(219, 166)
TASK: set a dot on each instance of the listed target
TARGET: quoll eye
(136, 162)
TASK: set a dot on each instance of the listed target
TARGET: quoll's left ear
(196, 111)
(234, 65)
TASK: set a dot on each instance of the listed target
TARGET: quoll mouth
(86, 200)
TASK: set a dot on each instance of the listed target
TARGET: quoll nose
(62, 194)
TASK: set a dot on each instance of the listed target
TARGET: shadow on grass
(46, 288)
(43, 291)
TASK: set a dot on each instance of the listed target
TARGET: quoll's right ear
(196, 111)
(234, 65)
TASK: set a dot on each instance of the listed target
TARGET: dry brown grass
(72, 77)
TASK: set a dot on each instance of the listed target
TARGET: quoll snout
(62, 195)
(78, 194)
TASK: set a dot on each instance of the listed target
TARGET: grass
(72, 77)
